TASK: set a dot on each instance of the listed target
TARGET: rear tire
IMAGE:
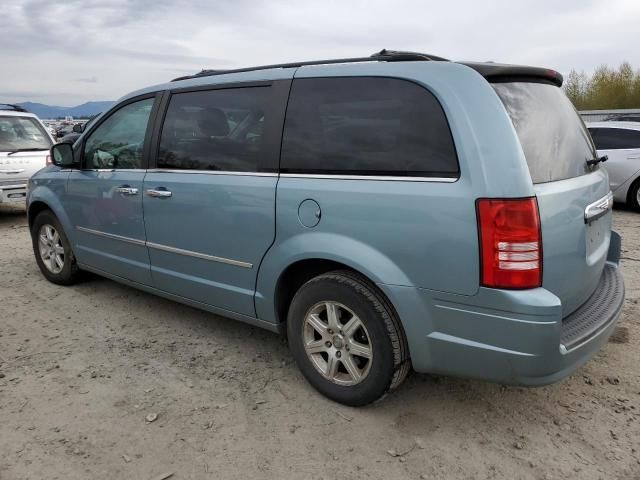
(347, 339)
(634, 196)
(53, 250)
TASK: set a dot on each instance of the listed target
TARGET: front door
(210, 203)
(105, 196)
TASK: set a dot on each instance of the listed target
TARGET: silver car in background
(24, 149)
(620, 141)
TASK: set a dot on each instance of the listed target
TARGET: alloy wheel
(337, 343)
(51, 249)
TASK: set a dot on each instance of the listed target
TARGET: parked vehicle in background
(78, 128)
(383, 211)
(620, 142)
(24, 149)
(623, 117)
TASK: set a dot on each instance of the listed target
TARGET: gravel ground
(100, 381)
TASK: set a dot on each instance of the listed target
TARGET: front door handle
(127, 190)
(12, 171)
(158, 192)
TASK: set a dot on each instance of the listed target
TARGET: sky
(66, 52)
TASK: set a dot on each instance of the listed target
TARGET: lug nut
(330, 332)
(338, 354)
(328, 344)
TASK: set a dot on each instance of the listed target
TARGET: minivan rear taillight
(510, 243)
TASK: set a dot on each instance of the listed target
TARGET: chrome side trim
(371, 177)
(112, 236)
(213, 172)
(166, 248)
(129, 170)
(598, 208)
(203, 256)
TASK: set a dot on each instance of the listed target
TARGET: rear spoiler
(497, 72)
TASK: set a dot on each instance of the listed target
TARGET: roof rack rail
(10, 106)
(383, 55)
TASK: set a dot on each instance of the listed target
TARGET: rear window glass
(554, 139)
(366, 126)
(217, 130)
(615, 138)
(17, 133)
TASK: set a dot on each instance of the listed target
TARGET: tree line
(607, 88)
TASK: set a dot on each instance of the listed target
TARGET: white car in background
(620, 141)
(24, 149)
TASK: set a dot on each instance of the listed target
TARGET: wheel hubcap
(337, 343)
(51, 249)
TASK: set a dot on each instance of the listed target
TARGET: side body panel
(221, 224)
(206, 241)
(400, 232)
(108, 225)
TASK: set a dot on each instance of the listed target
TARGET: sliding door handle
(159, 193)
(127, 190)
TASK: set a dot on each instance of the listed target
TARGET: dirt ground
(83, 369)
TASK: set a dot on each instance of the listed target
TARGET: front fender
(326, 246)
(50, 196)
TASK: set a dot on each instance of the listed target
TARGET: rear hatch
(557, 147)
(17, 168)
(24, 147)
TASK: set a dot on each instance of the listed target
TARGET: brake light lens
(510, 243)
(48, 160)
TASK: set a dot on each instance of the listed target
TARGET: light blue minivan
(388, 212)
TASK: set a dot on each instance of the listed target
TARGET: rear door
(104, 197)
(210, 202)
(622, 146)
(557, 147)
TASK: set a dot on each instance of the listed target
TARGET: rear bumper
(13, 193)
(510, 337)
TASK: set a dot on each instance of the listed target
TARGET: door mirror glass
(77, 128)
(62, 155)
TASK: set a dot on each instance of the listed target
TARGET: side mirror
(62, 155)
(77, 128)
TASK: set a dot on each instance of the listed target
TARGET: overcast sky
(70, 51)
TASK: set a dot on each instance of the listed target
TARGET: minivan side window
(615, 138)
(366, 126)
(217, 130)
(118, 142)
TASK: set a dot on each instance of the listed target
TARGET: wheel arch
(634, 183)
(301, 271)
(35, 208)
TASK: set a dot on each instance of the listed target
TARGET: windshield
(18, 133)
(554, 139)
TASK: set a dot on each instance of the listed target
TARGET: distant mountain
(80, 111)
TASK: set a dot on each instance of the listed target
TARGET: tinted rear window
(366, 126)
(615, 138)
(554, 139)
(22, 132)
(217, 130)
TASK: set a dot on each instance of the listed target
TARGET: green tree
(605, 89)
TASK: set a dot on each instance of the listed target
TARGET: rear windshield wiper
(25, 150)
(597, 160)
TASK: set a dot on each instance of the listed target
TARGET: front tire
(346, 338)
(53, 250)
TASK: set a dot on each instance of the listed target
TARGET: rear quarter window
(366, 126)
(554, 139)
